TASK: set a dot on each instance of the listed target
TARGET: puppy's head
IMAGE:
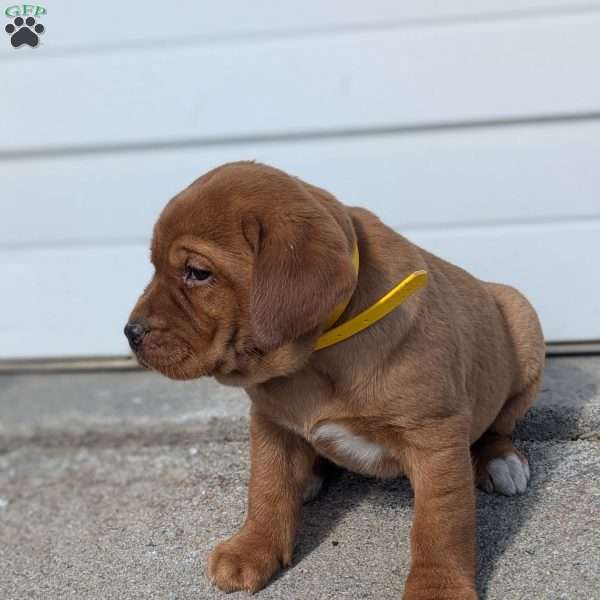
(249, 262)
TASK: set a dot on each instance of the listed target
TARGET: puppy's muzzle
(135, 332)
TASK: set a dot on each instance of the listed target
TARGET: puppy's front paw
(247, 561)
(442, 594)
(424, 585)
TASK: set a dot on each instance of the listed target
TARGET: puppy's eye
(195, 276)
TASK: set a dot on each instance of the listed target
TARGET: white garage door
(472, 127)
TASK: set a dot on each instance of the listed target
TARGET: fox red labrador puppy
(252, 267)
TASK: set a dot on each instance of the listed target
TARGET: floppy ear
(303, 270)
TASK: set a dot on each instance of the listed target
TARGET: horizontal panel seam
(30, 153)
(406, 229)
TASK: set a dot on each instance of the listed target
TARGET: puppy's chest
(347, 443)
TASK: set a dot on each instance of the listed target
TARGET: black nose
(135, 332)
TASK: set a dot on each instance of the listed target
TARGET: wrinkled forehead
(205, 215)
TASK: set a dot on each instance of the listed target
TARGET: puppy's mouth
(174, 361)
(180, 370)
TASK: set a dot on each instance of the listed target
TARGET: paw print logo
(24, 32)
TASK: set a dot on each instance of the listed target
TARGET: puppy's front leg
(281, 467)
(443, 534)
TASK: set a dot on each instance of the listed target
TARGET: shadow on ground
(499, 518)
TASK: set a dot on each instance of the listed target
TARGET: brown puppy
(250, 262)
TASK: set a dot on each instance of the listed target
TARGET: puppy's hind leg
(528, 348)
(499, 466)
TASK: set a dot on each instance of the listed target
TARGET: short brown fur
(458, 363)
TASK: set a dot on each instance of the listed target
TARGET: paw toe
(519, 471)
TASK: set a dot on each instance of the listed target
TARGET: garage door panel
(439, 179)
(473, 128)
(74, 302)
(69, 302)
(118, 24)
(358, 80)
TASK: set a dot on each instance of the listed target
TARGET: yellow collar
(392, 300)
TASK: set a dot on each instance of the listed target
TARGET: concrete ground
(117, 485)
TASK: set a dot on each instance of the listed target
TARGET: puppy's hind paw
(508, 475)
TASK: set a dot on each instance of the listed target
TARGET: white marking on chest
(349, 446)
